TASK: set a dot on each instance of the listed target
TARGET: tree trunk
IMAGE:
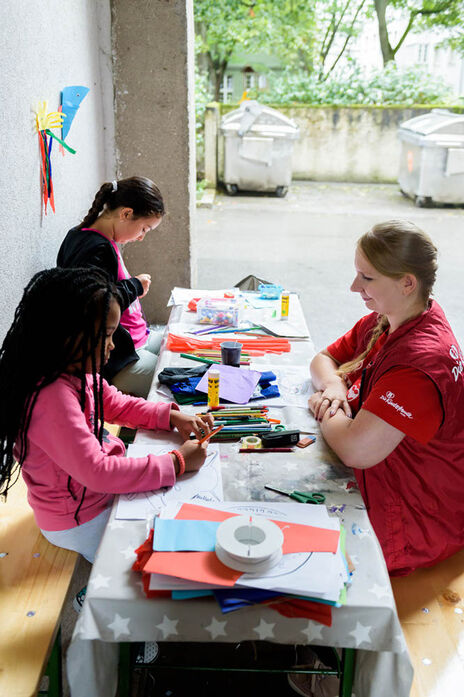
(387, 51)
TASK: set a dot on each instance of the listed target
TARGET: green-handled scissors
(301, 496)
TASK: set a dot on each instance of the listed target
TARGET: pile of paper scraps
(178, 559)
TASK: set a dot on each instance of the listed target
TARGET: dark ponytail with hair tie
(138, 193)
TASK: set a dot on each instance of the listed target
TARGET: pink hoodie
(64, 456)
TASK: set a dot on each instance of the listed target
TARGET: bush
(391, 85)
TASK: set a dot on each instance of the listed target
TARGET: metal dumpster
(432, 158)
(258, 147)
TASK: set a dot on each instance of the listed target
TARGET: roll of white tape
(251, 442)
(249, 543)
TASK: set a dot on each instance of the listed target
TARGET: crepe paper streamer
(44, 122)
(71, 98)
(45, 119)
(268, 344)
(61, 142)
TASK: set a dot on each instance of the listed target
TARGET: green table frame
(345, 670)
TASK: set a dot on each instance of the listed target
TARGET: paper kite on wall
(71, 98)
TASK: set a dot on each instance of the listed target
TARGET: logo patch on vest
(388, 397)
(456, 354)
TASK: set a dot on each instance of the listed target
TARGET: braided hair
(138, 193)
(59, 323)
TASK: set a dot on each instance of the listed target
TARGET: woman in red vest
(390, 400)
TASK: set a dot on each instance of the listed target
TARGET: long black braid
(57, 326)
(138, 193)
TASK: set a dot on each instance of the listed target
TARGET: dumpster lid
(258, 119)
(438, 121)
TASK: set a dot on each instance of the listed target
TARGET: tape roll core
(250, 544)
(251, 442)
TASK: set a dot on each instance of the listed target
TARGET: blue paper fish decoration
(71, 98)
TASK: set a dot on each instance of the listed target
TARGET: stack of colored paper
(313, 566)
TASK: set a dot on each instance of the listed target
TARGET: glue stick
(213, 388)
(284, 304)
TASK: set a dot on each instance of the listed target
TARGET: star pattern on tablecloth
(216, 628)
(313, 632)
(100, 581)
(265, 630)
(361, 633)
(128, 553)
(119, 626)
(399, 638)
(380, 591)
(116, 524)
(168, 626)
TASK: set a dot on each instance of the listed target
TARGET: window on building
(451, 58)
(262, 82)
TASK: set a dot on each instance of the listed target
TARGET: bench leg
(124, 683)
(347, 677)
(53, 671)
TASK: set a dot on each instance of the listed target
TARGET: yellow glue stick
(213, 389)
(284, 304)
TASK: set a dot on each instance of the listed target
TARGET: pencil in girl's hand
(213, 433)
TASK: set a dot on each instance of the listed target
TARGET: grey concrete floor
(306, 243)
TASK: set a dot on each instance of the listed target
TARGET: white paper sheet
(294, 383)
(202, 486)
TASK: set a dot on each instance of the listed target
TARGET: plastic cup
(231, 352)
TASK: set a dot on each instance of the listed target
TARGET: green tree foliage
(418, 13)
(222, 26)
(381, 87)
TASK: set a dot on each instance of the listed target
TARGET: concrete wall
(154, 90)
(46, 46)
(348, 144)
(353, 144)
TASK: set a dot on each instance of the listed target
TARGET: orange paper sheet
(297, 538)
(194, 566)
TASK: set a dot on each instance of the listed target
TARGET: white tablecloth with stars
(116, 608)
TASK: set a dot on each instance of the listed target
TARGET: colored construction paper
(230, 600)
(235, 384)
(173, 535)
(297, 537)
(187, 595)
(71, 98)
(204, 567)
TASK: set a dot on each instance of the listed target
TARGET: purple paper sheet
(235, 384)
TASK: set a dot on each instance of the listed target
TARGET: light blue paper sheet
(173, 535)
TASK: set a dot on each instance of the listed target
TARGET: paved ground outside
(306, 243)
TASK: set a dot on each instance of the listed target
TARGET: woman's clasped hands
(332, 398)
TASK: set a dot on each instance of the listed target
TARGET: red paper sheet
(297, 538)
(204, 567)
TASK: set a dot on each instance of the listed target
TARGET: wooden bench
(35, 577)
(430, 605)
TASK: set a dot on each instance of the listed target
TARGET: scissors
(301, 496)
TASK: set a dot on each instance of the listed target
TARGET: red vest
(415, 497)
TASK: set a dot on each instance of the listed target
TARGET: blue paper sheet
(173, 535)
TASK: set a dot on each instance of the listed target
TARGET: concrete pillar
(153, 42)
(211, 139)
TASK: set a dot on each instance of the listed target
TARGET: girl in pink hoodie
(54, 403)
